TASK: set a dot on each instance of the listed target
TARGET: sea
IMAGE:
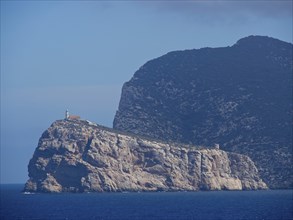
(265, 204)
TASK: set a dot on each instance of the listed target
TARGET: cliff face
(239, 97)
(74, 156)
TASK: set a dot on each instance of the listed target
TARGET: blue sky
(77, 55)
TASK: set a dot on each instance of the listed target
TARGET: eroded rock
(73, 156)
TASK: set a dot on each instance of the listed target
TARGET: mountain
(77, 156)
(239, 97)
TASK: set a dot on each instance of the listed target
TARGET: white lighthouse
(66, 114)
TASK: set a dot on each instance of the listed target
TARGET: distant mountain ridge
(239, 97)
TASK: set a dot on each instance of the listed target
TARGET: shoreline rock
(73, 156)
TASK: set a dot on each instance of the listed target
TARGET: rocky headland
(78, 156)
(238, 96)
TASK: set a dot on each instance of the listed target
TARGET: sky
(76, 55)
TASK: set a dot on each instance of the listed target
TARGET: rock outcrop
(76, 156)
(239, 97)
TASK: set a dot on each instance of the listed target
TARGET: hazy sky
(77, 55)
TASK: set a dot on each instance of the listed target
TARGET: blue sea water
(270, 204)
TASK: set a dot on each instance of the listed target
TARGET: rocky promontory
(77, 156)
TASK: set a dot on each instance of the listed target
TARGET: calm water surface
(276, 204)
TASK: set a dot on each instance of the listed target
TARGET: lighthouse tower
(66, 114)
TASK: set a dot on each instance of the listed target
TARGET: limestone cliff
(76, 156)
